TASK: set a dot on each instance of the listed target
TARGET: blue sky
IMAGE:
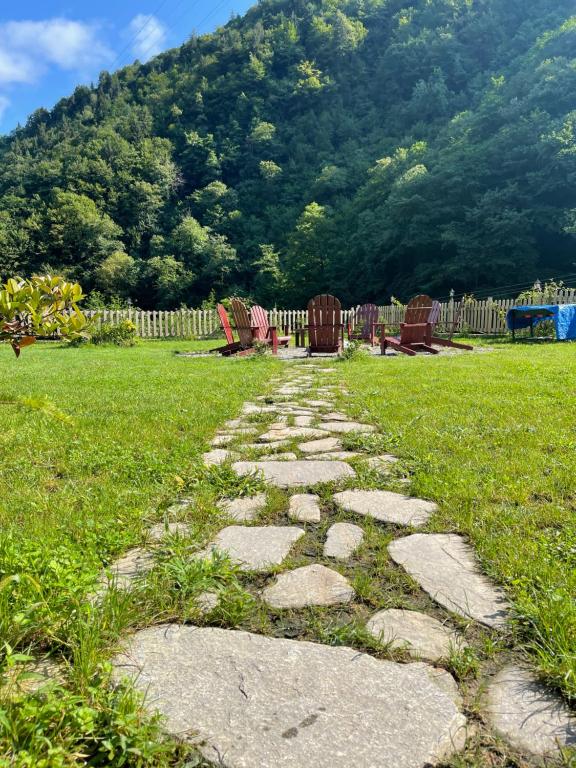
(47, 47)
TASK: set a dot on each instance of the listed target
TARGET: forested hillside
(366, 147)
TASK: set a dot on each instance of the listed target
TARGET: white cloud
(149, 36)
(28, 48)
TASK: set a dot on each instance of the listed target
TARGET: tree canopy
(363, 147)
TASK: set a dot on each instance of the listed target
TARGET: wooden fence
(484, 317)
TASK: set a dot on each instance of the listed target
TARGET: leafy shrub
(121, 335)
(41, 306)
(353, 351)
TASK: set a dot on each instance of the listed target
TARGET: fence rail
(485, 317)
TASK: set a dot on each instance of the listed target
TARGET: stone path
(251, 701)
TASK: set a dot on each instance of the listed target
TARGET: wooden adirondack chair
(247, 331)
(263, 330)
(325, 328)
(364, 325)
(416, 330)
(438, 340)
(232, 347)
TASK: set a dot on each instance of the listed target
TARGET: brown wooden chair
(325, 328)
(415, 331)
(232, 347)
(247, 331)
(363, 324)
(262, 329)
(438, 340)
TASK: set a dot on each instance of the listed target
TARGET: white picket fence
(484, 317)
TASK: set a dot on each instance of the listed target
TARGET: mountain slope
(366, 147)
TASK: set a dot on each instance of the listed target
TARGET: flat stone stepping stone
(221, 440)
(234, 423)
(334, 455)
(251, 408)
(160, 531)
(291, 433)
(342, 540)
(179, 506)
(305, 507)
(260, 702)
(311, 585)
(335, 416)
(293, 474)
(422, 636)
(275, 446)
(128, 569)
(245, 509)
(279, 457)
(321, 446)
(387, 506)
(319, 404)
(382, 462)
(216, 457)
(255, 549)
(343, 427)
(528, 715)
(207, 602)
(303, 421)
(446, 567)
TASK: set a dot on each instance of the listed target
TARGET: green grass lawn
(96, 443)
(492, 439)
(101, 441)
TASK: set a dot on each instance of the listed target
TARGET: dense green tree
(362, 147)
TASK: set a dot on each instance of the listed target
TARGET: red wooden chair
(438, 340)
(325, 328)
(231, 347)
(416, 330)
(363, 324)
(262, 329)
(247, 331)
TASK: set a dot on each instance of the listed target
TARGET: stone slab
(382, 462)
(343, 427)
(279, 457)
(293, 474)
(305, 508)
(244, 509)
(320, 446)
(311, 585)
(250, 701)
(333, 456)
(216, 457)
(125, 571)
(303, 421)
(386, 506)
(221, 440)
(446, 567)
(527, 715)
(160, 531)
(423, 637)
(342, 540)
(257, 548)
(335, 416)
(291, 433)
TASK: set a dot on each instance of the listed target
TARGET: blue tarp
(563, 315)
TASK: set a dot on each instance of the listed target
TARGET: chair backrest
(324, 322)
(435, 314)
(418, 310)
(225, 323)
(366, 317)
(242, 322)
(260, 322)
